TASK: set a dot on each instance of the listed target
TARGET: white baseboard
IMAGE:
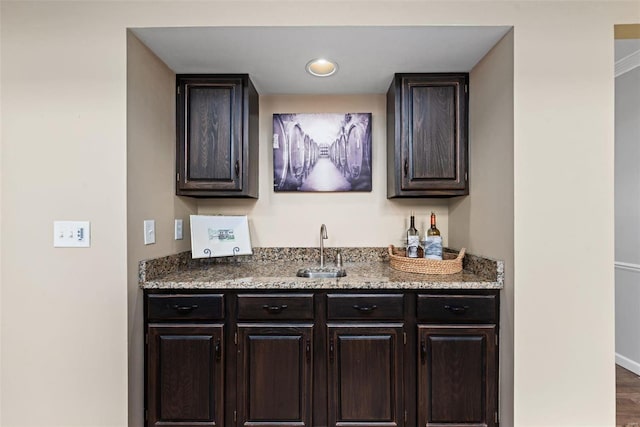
(632, 365)
(629, 364)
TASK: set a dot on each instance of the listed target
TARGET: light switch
(149, 231)
(178, 229)
(71, 234)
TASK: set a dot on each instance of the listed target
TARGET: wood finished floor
(627, 398)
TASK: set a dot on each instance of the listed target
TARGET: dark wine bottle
(413, 239)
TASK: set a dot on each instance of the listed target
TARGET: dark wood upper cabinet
(427, 135)
(217, 136)
(185, 375)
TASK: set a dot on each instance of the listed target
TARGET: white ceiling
(275, 57)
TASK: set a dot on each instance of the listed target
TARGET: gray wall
(627, 218)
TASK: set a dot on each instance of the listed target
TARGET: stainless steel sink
(321, 272)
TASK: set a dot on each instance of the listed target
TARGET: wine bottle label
(433, 247)
(412, 246)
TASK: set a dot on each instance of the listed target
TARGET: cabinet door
(185, 375)
(457, 383)
(215, 115)
(365, 375)
(431, 137)
(274, 374)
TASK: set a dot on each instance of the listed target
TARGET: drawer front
(178, 307)
(457, 308)
(365, 306)
(276, 306)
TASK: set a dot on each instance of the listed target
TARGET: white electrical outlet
(178, 229)
(149, 231)
(71, 234)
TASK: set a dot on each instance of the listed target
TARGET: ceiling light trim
(320, 62)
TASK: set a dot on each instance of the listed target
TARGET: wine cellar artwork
(322, 152)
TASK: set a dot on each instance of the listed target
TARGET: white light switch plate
(149, 231)
(178, 230)
(71, 234)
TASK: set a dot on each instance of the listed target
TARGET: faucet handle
(339, 259)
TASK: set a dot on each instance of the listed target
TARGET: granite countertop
(275, 268)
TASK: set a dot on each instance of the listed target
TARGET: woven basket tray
(450, 265)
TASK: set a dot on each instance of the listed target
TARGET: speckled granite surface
(275, 268)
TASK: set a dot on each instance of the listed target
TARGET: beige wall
(352, 219)
(563, 163)
(483, 221)
(64, 104)
(64, 311)
(1, 222)
(150, 190)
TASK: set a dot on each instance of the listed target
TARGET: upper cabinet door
(217, 136)
(427, 135)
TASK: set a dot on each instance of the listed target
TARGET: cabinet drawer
(365, 306)
(457, 308)
(276, 306)
(195, 307)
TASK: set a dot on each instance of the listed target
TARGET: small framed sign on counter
(219, 235)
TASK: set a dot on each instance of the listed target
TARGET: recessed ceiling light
(321, 67)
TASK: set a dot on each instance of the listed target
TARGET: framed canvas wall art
(323, 152)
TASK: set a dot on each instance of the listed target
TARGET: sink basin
(321, 272)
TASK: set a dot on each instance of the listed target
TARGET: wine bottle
(433, 241)
(413, 239)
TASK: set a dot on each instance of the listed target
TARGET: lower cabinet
(456, 375)
(365, 375)
(274, 375)
(316, 359)
(185, 372)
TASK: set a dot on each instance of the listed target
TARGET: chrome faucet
(322, 272)
(323, 235)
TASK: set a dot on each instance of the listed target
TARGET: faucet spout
(323, 235)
